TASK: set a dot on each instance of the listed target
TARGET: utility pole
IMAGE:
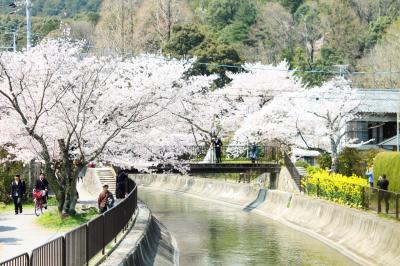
(14, 41)
(28, 6)
(397, 126)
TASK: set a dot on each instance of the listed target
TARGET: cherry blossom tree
(68, 110)
(313, 119)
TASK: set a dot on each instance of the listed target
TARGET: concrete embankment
(147, 243)
(362, 236)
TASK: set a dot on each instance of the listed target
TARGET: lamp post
(28, 25)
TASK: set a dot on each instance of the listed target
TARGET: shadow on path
(6, 228)
(10, 240)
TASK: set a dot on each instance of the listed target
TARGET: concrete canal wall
(147, 243)
(362, 236)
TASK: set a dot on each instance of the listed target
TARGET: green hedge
(388, 163)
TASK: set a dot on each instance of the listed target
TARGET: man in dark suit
(43, 184)
(121, 181)
(17, 192)
(218, 147)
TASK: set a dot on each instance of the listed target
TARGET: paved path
(19, 233)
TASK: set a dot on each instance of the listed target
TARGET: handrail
(294, 173)
(76, 243)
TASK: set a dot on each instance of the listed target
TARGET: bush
(350, 162)
(8, 169)
(335, 187)
(301, 163)
(388, 163)
(325, 161)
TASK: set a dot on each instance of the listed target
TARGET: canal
(209, 233)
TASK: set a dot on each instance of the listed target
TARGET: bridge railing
(21, 260)
(240, 153)
(292, 170)
(82, 244)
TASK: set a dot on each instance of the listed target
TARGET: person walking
(121, 181)
(43, 185)
(18, 190)
(105, 200)
(218, 147)
(383, 185)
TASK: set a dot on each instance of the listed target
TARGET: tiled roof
(379, 100)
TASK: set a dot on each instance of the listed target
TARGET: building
(376, 123)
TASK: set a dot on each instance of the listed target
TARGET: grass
(53, 219)
(388, 163)
(10, 207)
(27, 204)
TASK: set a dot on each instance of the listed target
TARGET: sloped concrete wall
(362, 236)
(240, 194)
(286, 182)
(147, 243)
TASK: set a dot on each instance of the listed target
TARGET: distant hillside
(69, 8)
(314, 36)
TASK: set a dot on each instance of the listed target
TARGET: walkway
(19, 233)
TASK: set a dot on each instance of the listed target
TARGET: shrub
(335, 187)
(350, 162)
(8, 168)
(325, 161)
(301, 163)
(388, 163)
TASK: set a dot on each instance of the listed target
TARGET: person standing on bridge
(218, 149)
(18, 190)
(253, 153)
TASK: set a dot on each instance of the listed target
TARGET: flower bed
(335, 187)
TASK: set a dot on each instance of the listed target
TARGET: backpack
(110, 201)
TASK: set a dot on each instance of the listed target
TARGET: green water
(213, 234)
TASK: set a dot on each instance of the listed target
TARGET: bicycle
(38, 201)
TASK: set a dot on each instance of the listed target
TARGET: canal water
(209, 233)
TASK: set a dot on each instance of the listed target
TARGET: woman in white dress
(210, 156)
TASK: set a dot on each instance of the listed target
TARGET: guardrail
(292, 170)
(368, 198)
(80, 245)
(264, 153)
(376, 199)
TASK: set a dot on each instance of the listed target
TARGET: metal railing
(264, 153)
(368, 198)
(21, 260)
(80, 245)
(292, 170)
(381, 201)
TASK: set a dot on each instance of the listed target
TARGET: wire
(313, 71)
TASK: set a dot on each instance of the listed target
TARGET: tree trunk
(70, 196)
(335, 165)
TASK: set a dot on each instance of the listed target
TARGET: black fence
(80, 245)
(21, 260)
